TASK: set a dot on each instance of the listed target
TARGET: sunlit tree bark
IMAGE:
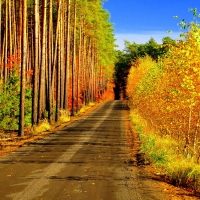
(23, 67)
(67, 55)
(42, 81)
(74, 61)
(50, 62)
(36, 63)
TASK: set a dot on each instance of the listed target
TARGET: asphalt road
(86, 160)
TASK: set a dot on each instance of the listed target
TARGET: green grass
(164, 153)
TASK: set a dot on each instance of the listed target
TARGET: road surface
(85, 160)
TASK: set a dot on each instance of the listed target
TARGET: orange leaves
(167, 93)
(29, 72)
(13, 60)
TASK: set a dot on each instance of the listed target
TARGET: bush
(64, 116)
(10, 100)
(43, 126)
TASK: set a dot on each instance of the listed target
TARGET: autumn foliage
(167, 92)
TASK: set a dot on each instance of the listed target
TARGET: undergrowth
(163, 152)
(43, 126)
(86, 107)
(64, 116)
(9, 102)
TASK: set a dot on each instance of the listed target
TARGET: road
(85, 160)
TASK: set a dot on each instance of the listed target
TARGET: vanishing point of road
(84, 160)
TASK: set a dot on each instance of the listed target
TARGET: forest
(162, 82)
(56, 56)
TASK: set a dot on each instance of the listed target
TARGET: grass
(163, 152)
(85, 108)
(42, 127)
(64, 116)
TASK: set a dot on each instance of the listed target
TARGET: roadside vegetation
(163, 87)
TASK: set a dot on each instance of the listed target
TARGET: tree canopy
(131, 53)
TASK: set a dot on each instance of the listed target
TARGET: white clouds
(143, 37)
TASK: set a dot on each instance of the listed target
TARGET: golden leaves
(165, 95)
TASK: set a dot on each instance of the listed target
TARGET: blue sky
(139, 20)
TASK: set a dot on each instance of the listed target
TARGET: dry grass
(64, 116)
(42, 127)
(85, 108)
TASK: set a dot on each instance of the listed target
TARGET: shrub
(9, 102)
(43, 126)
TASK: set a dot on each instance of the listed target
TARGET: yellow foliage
(167, 93)
(84, 108)
(137, 72)
(64, 116)
(43, 126)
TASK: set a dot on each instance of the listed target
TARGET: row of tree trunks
(58, 47)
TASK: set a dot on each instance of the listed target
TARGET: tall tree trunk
(14, 27)
(10, 27)
(0, 32)
(50, 61)
(78, 66)
(57, 52)
(42, 95)
(84, 69)
(36, 64)
(58, 81)
(74, 61)
(23, 67)
(19, 39)
(6, 43)
(62, 54)
(67, 55)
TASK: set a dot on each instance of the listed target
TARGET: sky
(139, 20)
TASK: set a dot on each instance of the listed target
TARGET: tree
(36, 63)
(23, 68)
(67, 55)
(74, 59)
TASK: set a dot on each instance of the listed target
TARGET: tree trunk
(23, 67)
(67, 56)
(6, 43)
(10, 27)
(0, 32)
(50, 61)
(78, 67)
(42, 95)
(74, 61)
(57, 50)
(36, 64)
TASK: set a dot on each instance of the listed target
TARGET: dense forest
(56, 56)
